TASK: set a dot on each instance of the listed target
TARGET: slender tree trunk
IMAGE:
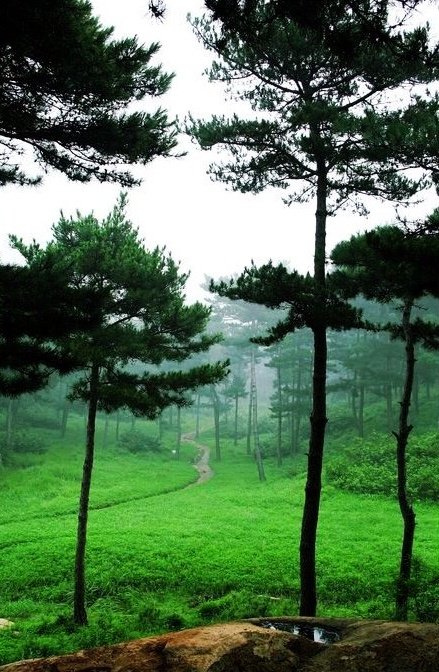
(79, 604)
(65, 417)
(407, 512)
(178, 432)
(389, 408)
(297, 431)
(388, 395)
(216, 419)
(106, 425)
(160, 424)
(257, 447)
(117, 425)
(298, 420)
(290, 427)
(9, 423)
(197, 417)
(354, 395)
(249, 423)
(318, 419)
(361, 411)
(235, 436)
(279, 419)
(416, 394)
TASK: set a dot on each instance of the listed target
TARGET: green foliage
(425, 590)
(368, 467)
(66, 88)
(134, 300)
(139, 442)
(171, 568)
(315, 89)
(24, 442)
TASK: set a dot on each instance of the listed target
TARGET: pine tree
(390, 265)
(136, 304)
(324, 126)
(65, 89)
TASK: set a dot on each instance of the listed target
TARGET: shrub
(138, 442)
(369, 466)
(425, 592)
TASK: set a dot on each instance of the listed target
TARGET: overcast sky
(210, 230)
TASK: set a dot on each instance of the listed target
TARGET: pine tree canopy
(389, 264)
(277, 287)
(136, 307)
(316, 110)
(36, 309)
(65, 86)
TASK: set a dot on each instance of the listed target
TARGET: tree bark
(65, 416)
(105, 436)
(249, 422)
(279, 418)
(235, 431)
(178, 432)
(197, 417)
(216, 419)
(407, 512)
(257, 447)
(318, 419)
(117, 424)
(361, 411)
(79, 601)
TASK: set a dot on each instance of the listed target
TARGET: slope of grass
(161, 557)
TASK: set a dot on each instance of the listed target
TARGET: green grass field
(162, 557)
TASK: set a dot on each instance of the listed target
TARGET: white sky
(210, 230)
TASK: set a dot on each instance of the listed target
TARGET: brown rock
(364, 646)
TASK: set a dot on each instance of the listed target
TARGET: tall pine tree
(325, 126)
(137, 307)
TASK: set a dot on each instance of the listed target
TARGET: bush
(21, 446)
(138, 442)
(369, 466)
(425, 592)
(23, 442)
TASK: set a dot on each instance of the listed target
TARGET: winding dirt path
(205, 473)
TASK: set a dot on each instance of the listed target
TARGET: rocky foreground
(245, 646)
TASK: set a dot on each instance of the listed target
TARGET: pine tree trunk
(216, 419)
(160, 424)
(279, 419)
(79, 604)
(416, 394)
(297, 423)
(65, 417)
(249, 423)
(178, 432)
(117, 425)
(257, 447)
(105, 437)
(361, 412)
(235, 430)
(354, 395)
(318, 419)
(197, 417)
(407, 512)
(9, 424)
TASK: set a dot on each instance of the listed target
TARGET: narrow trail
(205, 473)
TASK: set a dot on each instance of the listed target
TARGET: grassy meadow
(161, 556)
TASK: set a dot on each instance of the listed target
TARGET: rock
(5, 623)
(245, 646)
